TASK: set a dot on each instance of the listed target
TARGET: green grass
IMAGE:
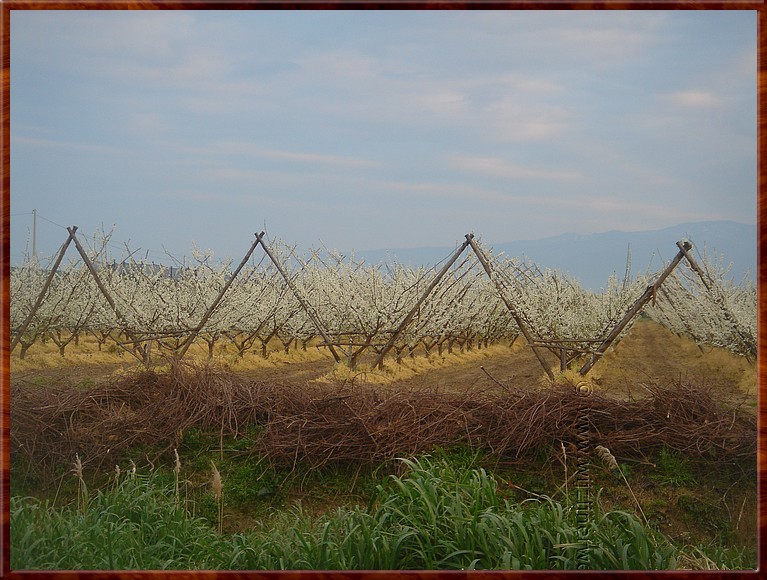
(673, 468)
(716, 557)
(136, 524)
(253, 487)
(443, 511)
(437, 515)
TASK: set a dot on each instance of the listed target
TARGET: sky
(360, 130)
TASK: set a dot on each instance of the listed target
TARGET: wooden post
(648, 294)
(745, 342)
(405, 321)
(517, 318)
(95, 275)
(309, 312)
(43, 292)
(209, 312)
(102, 288)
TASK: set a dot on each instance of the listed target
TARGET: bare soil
(648, 354)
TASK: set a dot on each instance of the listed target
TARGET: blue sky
(374, 129)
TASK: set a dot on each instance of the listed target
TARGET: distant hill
(593, 258)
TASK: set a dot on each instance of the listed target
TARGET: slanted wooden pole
(308, 309)
(209, 312)
(95, 275)
(517, 318)
(649, 294)
(745, 341)
(23, 328)
(405, 321)
(102, 288)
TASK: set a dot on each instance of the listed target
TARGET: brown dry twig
(319, 424)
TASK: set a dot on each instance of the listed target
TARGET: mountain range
(593, 258)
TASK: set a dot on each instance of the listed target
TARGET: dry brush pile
(318, 424)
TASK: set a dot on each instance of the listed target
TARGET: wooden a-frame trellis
(567, 350)
(611, 336)
(562, 347)
(72, 237)
(649, 294)
(486, 266)
(305, 305)
(197, 329)
(570, 349)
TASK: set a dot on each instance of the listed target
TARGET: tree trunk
(24, 348)
(101, 338)
(147, 352)
(211, 343)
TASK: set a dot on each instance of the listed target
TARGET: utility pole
(34, 234)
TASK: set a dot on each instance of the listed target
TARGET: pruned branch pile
(318, 424)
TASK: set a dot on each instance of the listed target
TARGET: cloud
(497, 167)
(434, 192)
(149, 125)
(136, 35)
(310, 157)
(622, 214)
(420, 90)
(442, 103)
(62, 145)
(603, 40)
(535, 83)
(348, 66)
(524, 120)
(236, 200)
(586, 116)
(618, 210)
(692, 98)
(505, 106)
(173, 50)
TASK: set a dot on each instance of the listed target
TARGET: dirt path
(649, 354)
(516, 368)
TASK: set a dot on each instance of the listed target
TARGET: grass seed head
(606, 456)
(216, 484)
(177, 466)
(78, 469)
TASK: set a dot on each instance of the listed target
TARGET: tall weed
(437, 515)
(136, 524)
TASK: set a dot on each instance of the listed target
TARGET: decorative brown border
(5, 10)
(8, 5)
